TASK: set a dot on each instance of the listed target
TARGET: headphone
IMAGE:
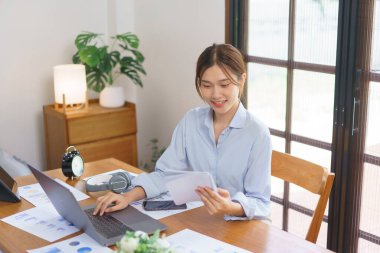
(118, 182)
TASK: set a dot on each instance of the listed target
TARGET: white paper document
(81, 243)
(164, 213)
(182, 186)
(34, 193)
(42, 223)
(188, 241)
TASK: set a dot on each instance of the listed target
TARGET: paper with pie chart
(42, 223)
(78, 244)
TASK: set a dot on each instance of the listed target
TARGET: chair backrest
(309, 176)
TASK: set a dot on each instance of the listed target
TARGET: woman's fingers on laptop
(116, 206)
(101, 204)
(109, 203)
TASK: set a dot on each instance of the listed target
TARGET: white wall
(173, 34)
(36, 35)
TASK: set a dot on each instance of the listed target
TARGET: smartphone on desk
(151, 205)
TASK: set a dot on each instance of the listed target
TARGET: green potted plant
(104, 63)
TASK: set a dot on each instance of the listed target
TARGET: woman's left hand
(219, 202)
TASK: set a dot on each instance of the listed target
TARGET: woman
(222, 138)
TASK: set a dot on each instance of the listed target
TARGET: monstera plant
(106, 63)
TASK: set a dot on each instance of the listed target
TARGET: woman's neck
(225, 118)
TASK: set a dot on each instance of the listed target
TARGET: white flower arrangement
(140, 242)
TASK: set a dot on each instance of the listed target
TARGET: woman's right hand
(110, 202)
(113, 201)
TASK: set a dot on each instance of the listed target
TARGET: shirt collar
(237, 121)
(239, 118)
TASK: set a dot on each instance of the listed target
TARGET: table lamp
(70, 88)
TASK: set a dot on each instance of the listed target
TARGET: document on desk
(182, 184)
(42, 223)
(81, 243)
(189, 241)
(34, 193)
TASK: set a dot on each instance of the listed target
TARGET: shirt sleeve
(174, 158)
(257, 182)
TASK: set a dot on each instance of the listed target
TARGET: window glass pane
(375, 66)
(276, 215)
(302, 197)
(278, 143)
(372, 145)
(277, 187)
(313, 105)
(315, 155)
(370, 202)
(267, 94)
(316, 29)
(268, 28)
(299, 224)
(367, 246)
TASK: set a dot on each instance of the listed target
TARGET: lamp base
(71, 108)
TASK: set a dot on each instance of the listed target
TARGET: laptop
(8, 187)
(106, 229)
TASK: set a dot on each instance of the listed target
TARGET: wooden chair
(309, 176)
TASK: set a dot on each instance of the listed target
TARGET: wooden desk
(255, 236)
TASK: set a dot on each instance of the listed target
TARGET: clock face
(77, 166)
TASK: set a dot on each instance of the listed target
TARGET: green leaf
(83, 39)
(96, 80)
(132, 74)
(139, 56)
(129, 39)
(129, 63)
(138, 67)
(76, 58)
(156, 235)
(105, 64)
(126, 61)
(102, 51)
(115, 57)
(90, 55)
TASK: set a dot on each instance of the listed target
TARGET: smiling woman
(222, 138)
(220, 82)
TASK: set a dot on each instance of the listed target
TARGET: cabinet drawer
(100, 127)
(123, 148)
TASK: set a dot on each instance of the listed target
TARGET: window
(291, 86)
(314, 78)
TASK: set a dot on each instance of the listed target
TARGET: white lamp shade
(70, 79)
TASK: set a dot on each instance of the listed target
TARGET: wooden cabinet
(98, 133)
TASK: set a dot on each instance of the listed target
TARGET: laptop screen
(8, 180)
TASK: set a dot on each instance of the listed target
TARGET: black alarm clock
(72, 163)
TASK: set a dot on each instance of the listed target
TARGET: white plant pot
(112, 96)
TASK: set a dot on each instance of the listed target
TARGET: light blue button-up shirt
(239, 163)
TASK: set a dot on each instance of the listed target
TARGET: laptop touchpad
(136, 220)
(130, 215)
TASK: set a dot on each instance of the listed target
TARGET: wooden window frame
(343, 231)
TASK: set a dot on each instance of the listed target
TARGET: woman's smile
(218, 104)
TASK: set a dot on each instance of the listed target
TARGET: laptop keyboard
(107, 225)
